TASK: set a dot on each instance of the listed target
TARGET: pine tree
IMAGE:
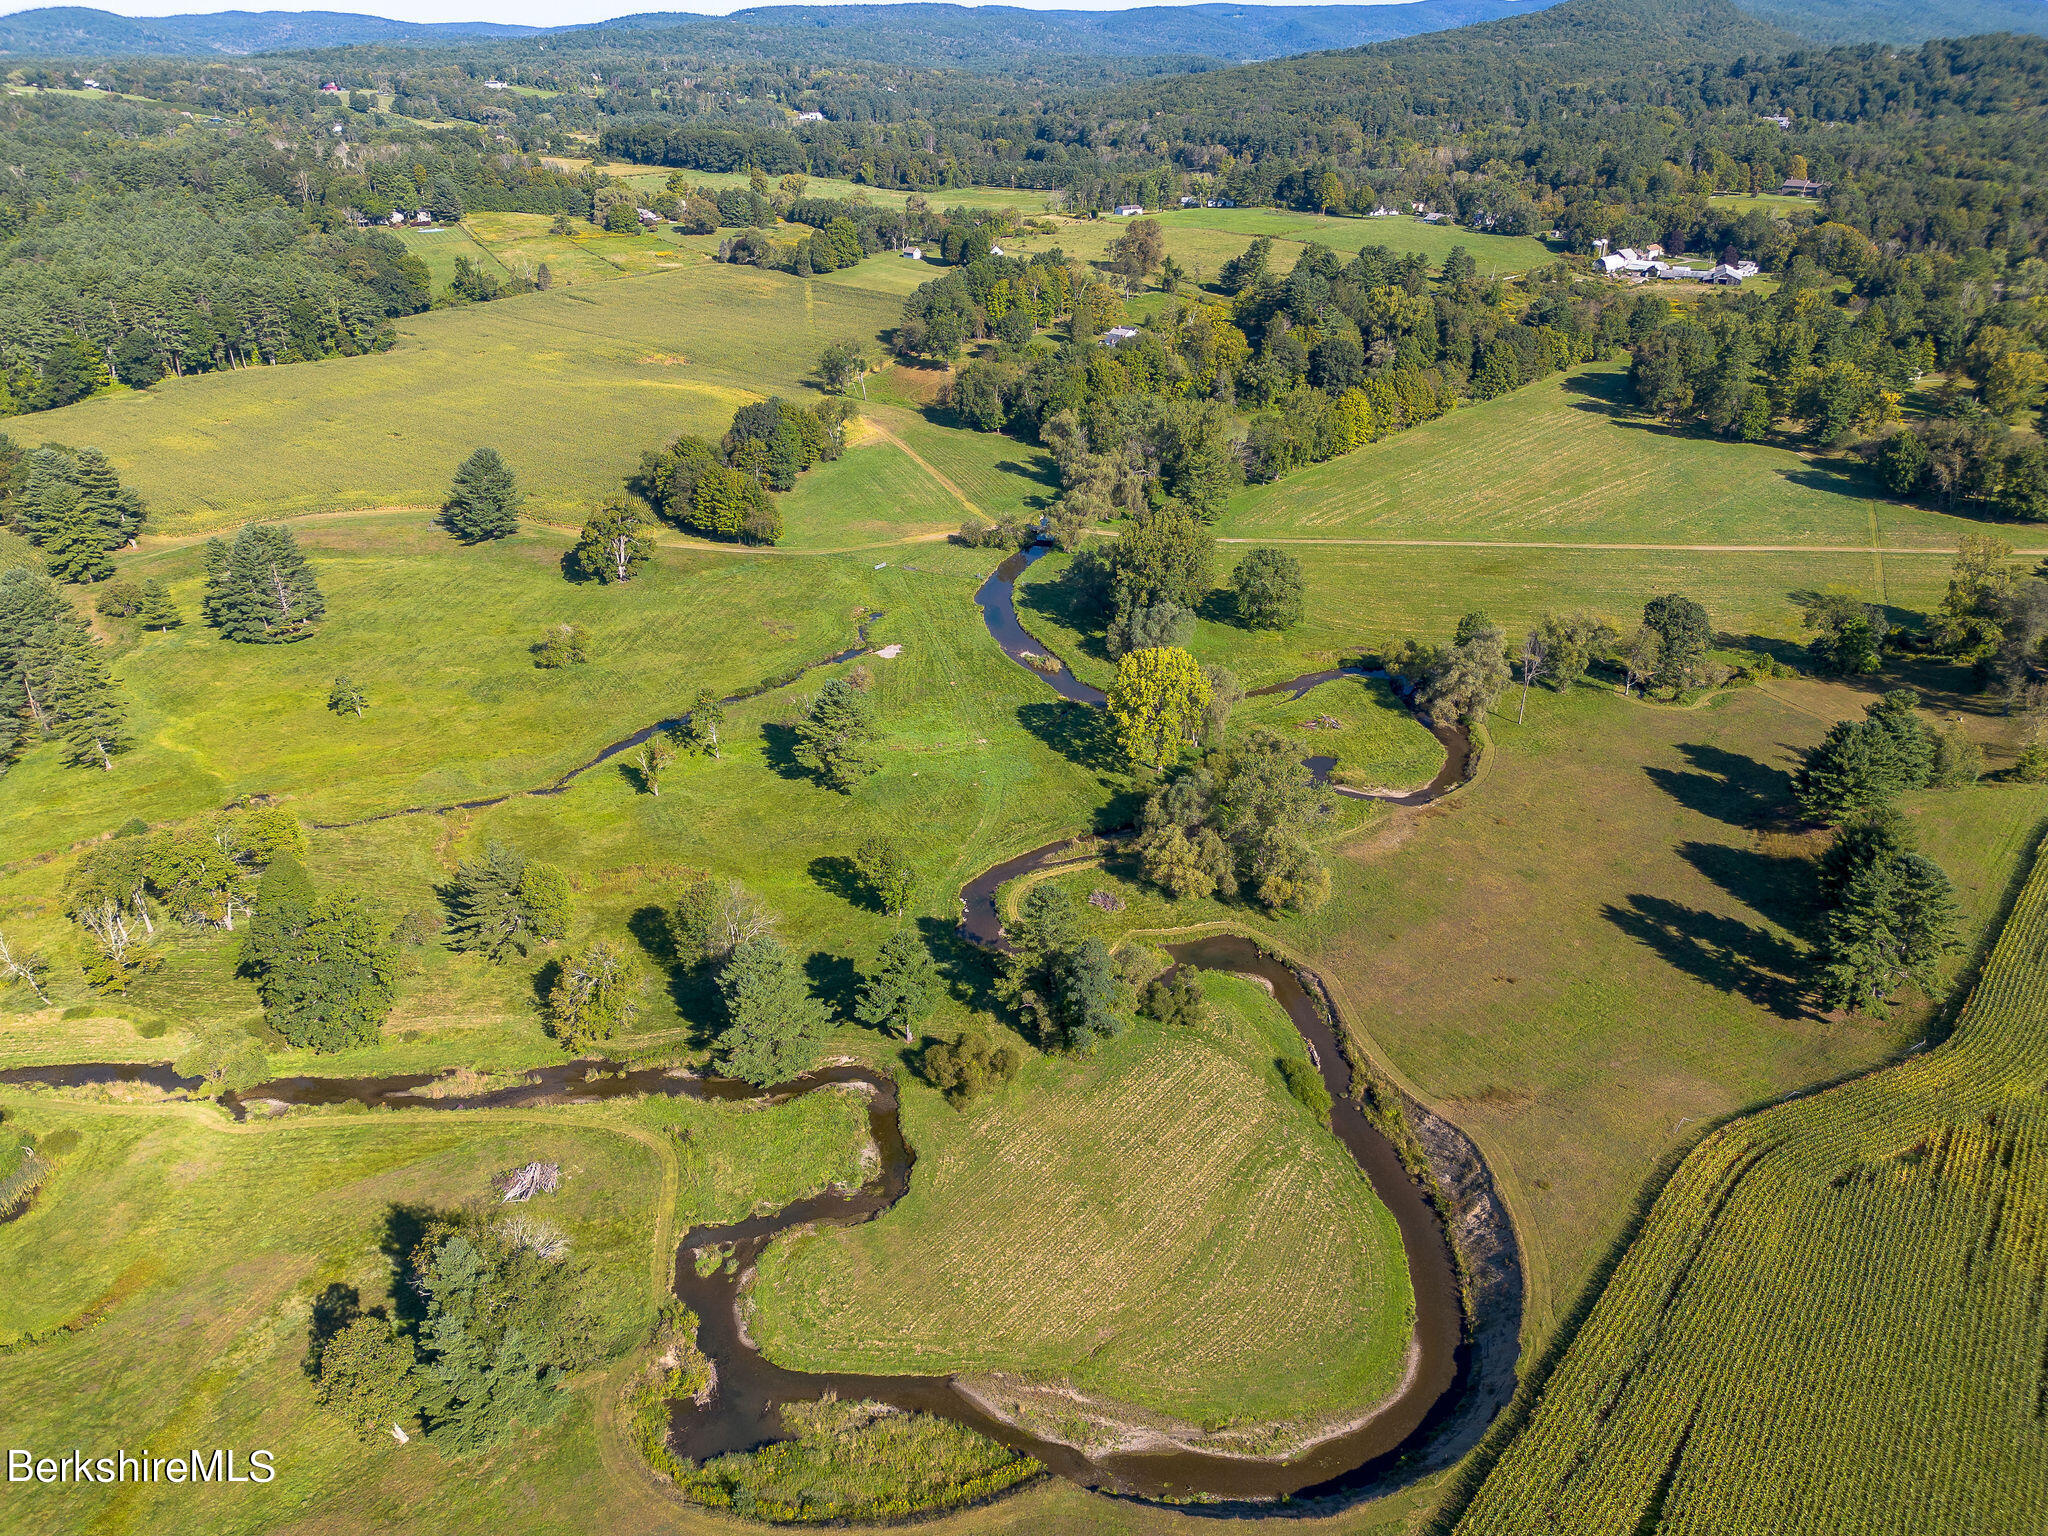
(75, 546)
(774, 1026)
(260, 589)
(483, 502)
(1889, 914)
(354, 972)
(158, 611)
(1864, 764)
(502, 903)
(835, 739)
(901, 987)
(91, 712)
(117, 509)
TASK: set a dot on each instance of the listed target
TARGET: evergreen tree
(483, 502)
(774, 1026)
(1087, 994)
(260, 589)
(89, 709)
(276, 948)
(1889, 914)
(1912, 744)
(117, 509)
(488, 904)
(900, 988)
(74, 543)
(835, 738)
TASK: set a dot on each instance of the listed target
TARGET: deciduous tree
(1156, 703)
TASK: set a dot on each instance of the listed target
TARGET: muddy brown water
(1440, 1412)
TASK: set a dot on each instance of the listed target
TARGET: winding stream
(1460, 1377)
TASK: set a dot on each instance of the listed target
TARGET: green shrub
(1304, 1082)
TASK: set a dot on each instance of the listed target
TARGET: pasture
(1831, 1319)
(571, 385)
(191, 1251)
(1157, 1222)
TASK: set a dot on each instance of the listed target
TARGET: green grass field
(1585, 958)
(1159, 1223)
(1831, 1321)
(168, 1213)
(572, 386)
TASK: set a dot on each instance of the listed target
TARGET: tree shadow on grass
(1726, 786)
(834, 873)
(333, 1310)
(1041, 472)
(1726, 953)
(1079, 734)
(1778, 887)
(405, 1228)
(835, 980)
(968, 970)
(1071, 603)
(778, 743)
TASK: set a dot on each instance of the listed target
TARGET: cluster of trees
(1834, 368)
(325, 963)
(71, 504)
(202, 874)
(54, 679)
(501, 1319)
(1887, 912)
(504, 904)
(1864, 765)
(722, 489)
(1234, 824)
(1334, 355)
(260, 589)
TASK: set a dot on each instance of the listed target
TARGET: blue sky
(538, 13)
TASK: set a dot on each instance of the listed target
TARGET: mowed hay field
(1202, 239)
(1158, 1222)
(1832, 1321)
(1568, 459)
(170, 1265)
(1602, 945)
(572, 386)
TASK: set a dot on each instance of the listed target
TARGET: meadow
(191, 1252)
(1157, 1222)
(1587, 958)
(1831, 1320)
(571, 385)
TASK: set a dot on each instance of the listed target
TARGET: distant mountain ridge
(77, 31)
(964, 36)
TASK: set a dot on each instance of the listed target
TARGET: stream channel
(1460, 1376)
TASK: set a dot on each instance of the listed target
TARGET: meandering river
(1463, 1370)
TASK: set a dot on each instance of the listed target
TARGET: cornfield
(1833, 1320)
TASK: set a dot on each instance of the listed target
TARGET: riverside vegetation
(582, 680)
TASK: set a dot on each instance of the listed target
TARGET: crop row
(1834, 1318)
